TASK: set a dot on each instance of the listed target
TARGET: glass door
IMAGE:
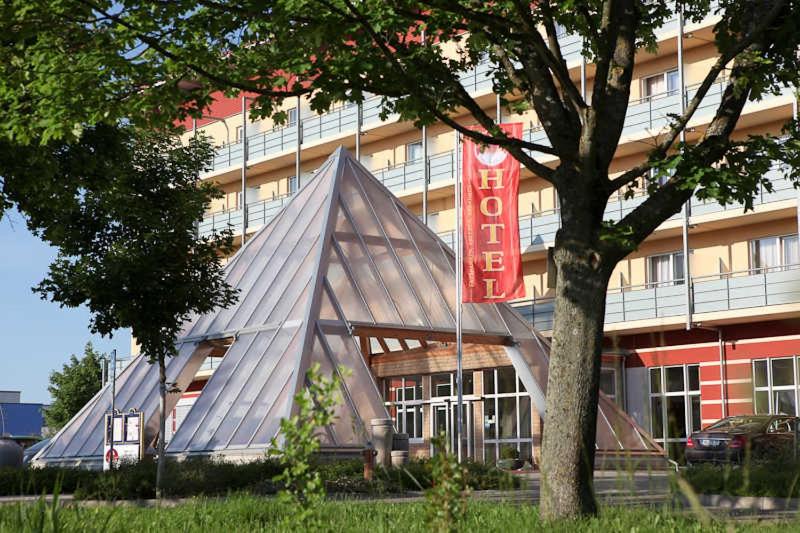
(443, 420)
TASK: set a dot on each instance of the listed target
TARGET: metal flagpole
(113, 404)
(687, 283)
(459, 276)
(244, 169)
(425, 165)
(299, 144)
(359, 115)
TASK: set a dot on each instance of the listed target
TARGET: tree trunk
(162, 423)
(568, 446)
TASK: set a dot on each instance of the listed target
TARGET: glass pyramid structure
(345, 264)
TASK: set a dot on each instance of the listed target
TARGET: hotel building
(685, 347)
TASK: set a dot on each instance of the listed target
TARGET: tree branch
(660, 151)
(221, 80)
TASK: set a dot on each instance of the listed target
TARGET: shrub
(775, 478)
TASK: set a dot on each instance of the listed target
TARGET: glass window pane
(440, 385)
(672, 81)
(762, 402)
(467, 387)
(677, 266)
(655, 380)
(656, 417)
(488, 381)
(508, 450)
(507, 417)
(521, 386)
(694, 377)
(489, 419)
(608, 381)
(490, 453)
(506, 379)
(525, 417)
(418, 426)
(760, 373)
(674, 378)
(782, 372)
(526, 451)
(784, 402)
(676, 417)
(765, 253)
(791, 250)
(696, 424)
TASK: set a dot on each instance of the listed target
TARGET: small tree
(122, 207)
(303, 486)
(72, 388)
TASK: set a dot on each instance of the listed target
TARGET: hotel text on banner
(491, 261)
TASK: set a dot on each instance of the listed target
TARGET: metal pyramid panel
(343, 253)
(81, 440)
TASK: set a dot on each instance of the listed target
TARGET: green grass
(248, 513)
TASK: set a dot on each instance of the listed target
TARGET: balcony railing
(258, 213)
(719, 292)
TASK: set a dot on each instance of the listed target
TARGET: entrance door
(444, 421)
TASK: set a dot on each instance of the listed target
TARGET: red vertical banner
(491, 261)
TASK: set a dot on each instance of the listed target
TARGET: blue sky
(37, 336)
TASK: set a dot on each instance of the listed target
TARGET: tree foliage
(72, 387)
(121, 206)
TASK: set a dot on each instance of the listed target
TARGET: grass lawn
(248, 513)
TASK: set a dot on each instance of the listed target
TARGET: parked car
(736, 438)
(31, 451)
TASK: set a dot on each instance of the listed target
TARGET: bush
(209, 477)
(779, 479)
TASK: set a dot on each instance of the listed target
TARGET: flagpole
(459, 275)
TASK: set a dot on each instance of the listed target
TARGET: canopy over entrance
(344, 266)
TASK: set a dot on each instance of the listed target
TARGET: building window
(665, 269)
(608, 383)
(403, 397)
(674, 405)
(663, 83)
(239, 133)
(506, 415)
(444, 385)
(293, 185)
(770, 253)
(775, 386)
(291, 115)
(414, 151)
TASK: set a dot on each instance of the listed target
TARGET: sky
(37, 336)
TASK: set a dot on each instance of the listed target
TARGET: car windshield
(742, 422)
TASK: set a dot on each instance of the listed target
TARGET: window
(775, 386)
(239, 133)
(403, 398)
(608, 382)
(292, 186)
(414, 151)
(674, 405)
(291, 115)
(445, 385)
(663, 83)
(770, 253)
(665, 269)
(506, 414)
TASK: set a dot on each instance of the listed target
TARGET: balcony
(259, 213)
(715, 293)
